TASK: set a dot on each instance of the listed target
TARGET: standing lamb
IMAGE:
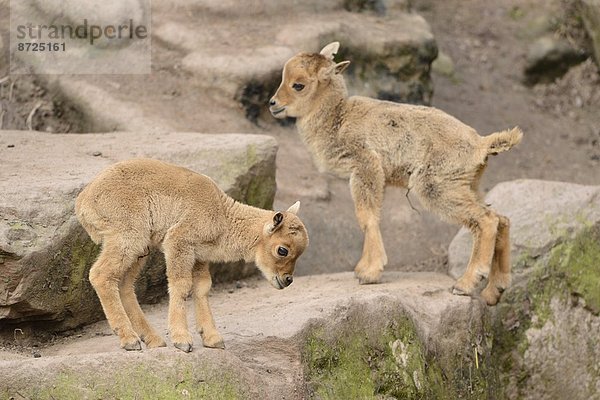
(374, 143)
(139, 204)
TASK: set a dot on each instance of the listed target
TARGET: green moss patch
(573, 268)
(571, 271)
(185, 381)
(356, 361)
(512, 319)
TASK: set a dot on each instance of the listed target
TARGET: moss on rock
(137, 381)
(566, 277)
(354, 360)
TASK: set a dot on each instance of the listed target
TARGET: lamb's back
(147, 197)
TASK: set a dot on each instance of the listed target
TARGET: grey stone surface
(443, 65)
(563, 343)
(44, 252)
(590, 13)
(384, 65)
(545, 328)
(549, 58)
(103, 112)
(109, 38)
(545, 340)
(541, 213)
(264, 331)
(112, 13)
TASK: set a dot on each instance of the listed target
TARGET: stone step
(266, 333)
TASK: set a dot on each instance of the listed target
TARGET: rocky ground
(263, 333)
(487, 45)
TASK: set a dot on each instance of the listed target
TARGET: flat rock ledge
(265, 332)
(45, 255)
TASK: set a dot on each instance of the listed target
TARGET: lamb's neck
(325, 119)
(246, 224)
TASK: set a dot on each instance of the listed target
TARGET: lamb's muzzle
(283, 281)
(275, 109)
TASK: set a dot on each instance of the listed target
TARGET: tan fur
(377, 143)
(140, 204)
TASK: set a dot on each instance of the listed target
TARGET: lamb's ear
(326, 72)
(330, 50)
(294, 208)
(341, 67)
(276, 224)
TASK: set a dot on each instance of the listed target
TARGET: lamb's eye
(282, 251)
(298, 87)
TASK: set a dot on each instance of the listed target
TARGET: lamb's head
(305, 77)
(283, 240)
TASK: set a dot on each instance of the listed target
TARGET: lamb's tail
(503, 141)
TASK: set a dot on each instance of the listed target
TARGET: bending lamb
(139, 204)
(377, 143)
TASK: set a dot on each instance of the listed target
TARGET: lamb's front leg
(367, 184)
(180, 263)
(204, 318)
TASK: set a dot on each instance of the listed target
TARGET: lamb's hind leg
(499, 278)
(105, 276)
(180, 262)
(461, 203)
(204, 318)
(483, 224)
(132, 307)
(367, 186)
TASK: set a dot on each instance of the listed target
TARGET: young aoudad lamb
(377, 143)
(139, 204)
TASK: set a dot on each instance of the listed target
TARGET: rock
(231, 8)
(277, 332)
(542, 214)
(443, 65)
(45, 254)
(250, 76)
(546, 326)
(377, 6)
(547, 321)
(247, 68)
(539, 25)
(112, 39)
(405, 338)
(112, 13)
(590, 13)
(549, 58)
(103, 112)
(389, 67)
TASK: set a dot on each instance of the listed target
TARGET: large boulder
(590, 14)
(406, 338)
(45, 254)
(388, 66)
(549, 58)
(545, 329)
(548, 320)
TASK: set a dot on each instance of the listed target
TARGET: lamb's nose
(288, 280)
(272, 102)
